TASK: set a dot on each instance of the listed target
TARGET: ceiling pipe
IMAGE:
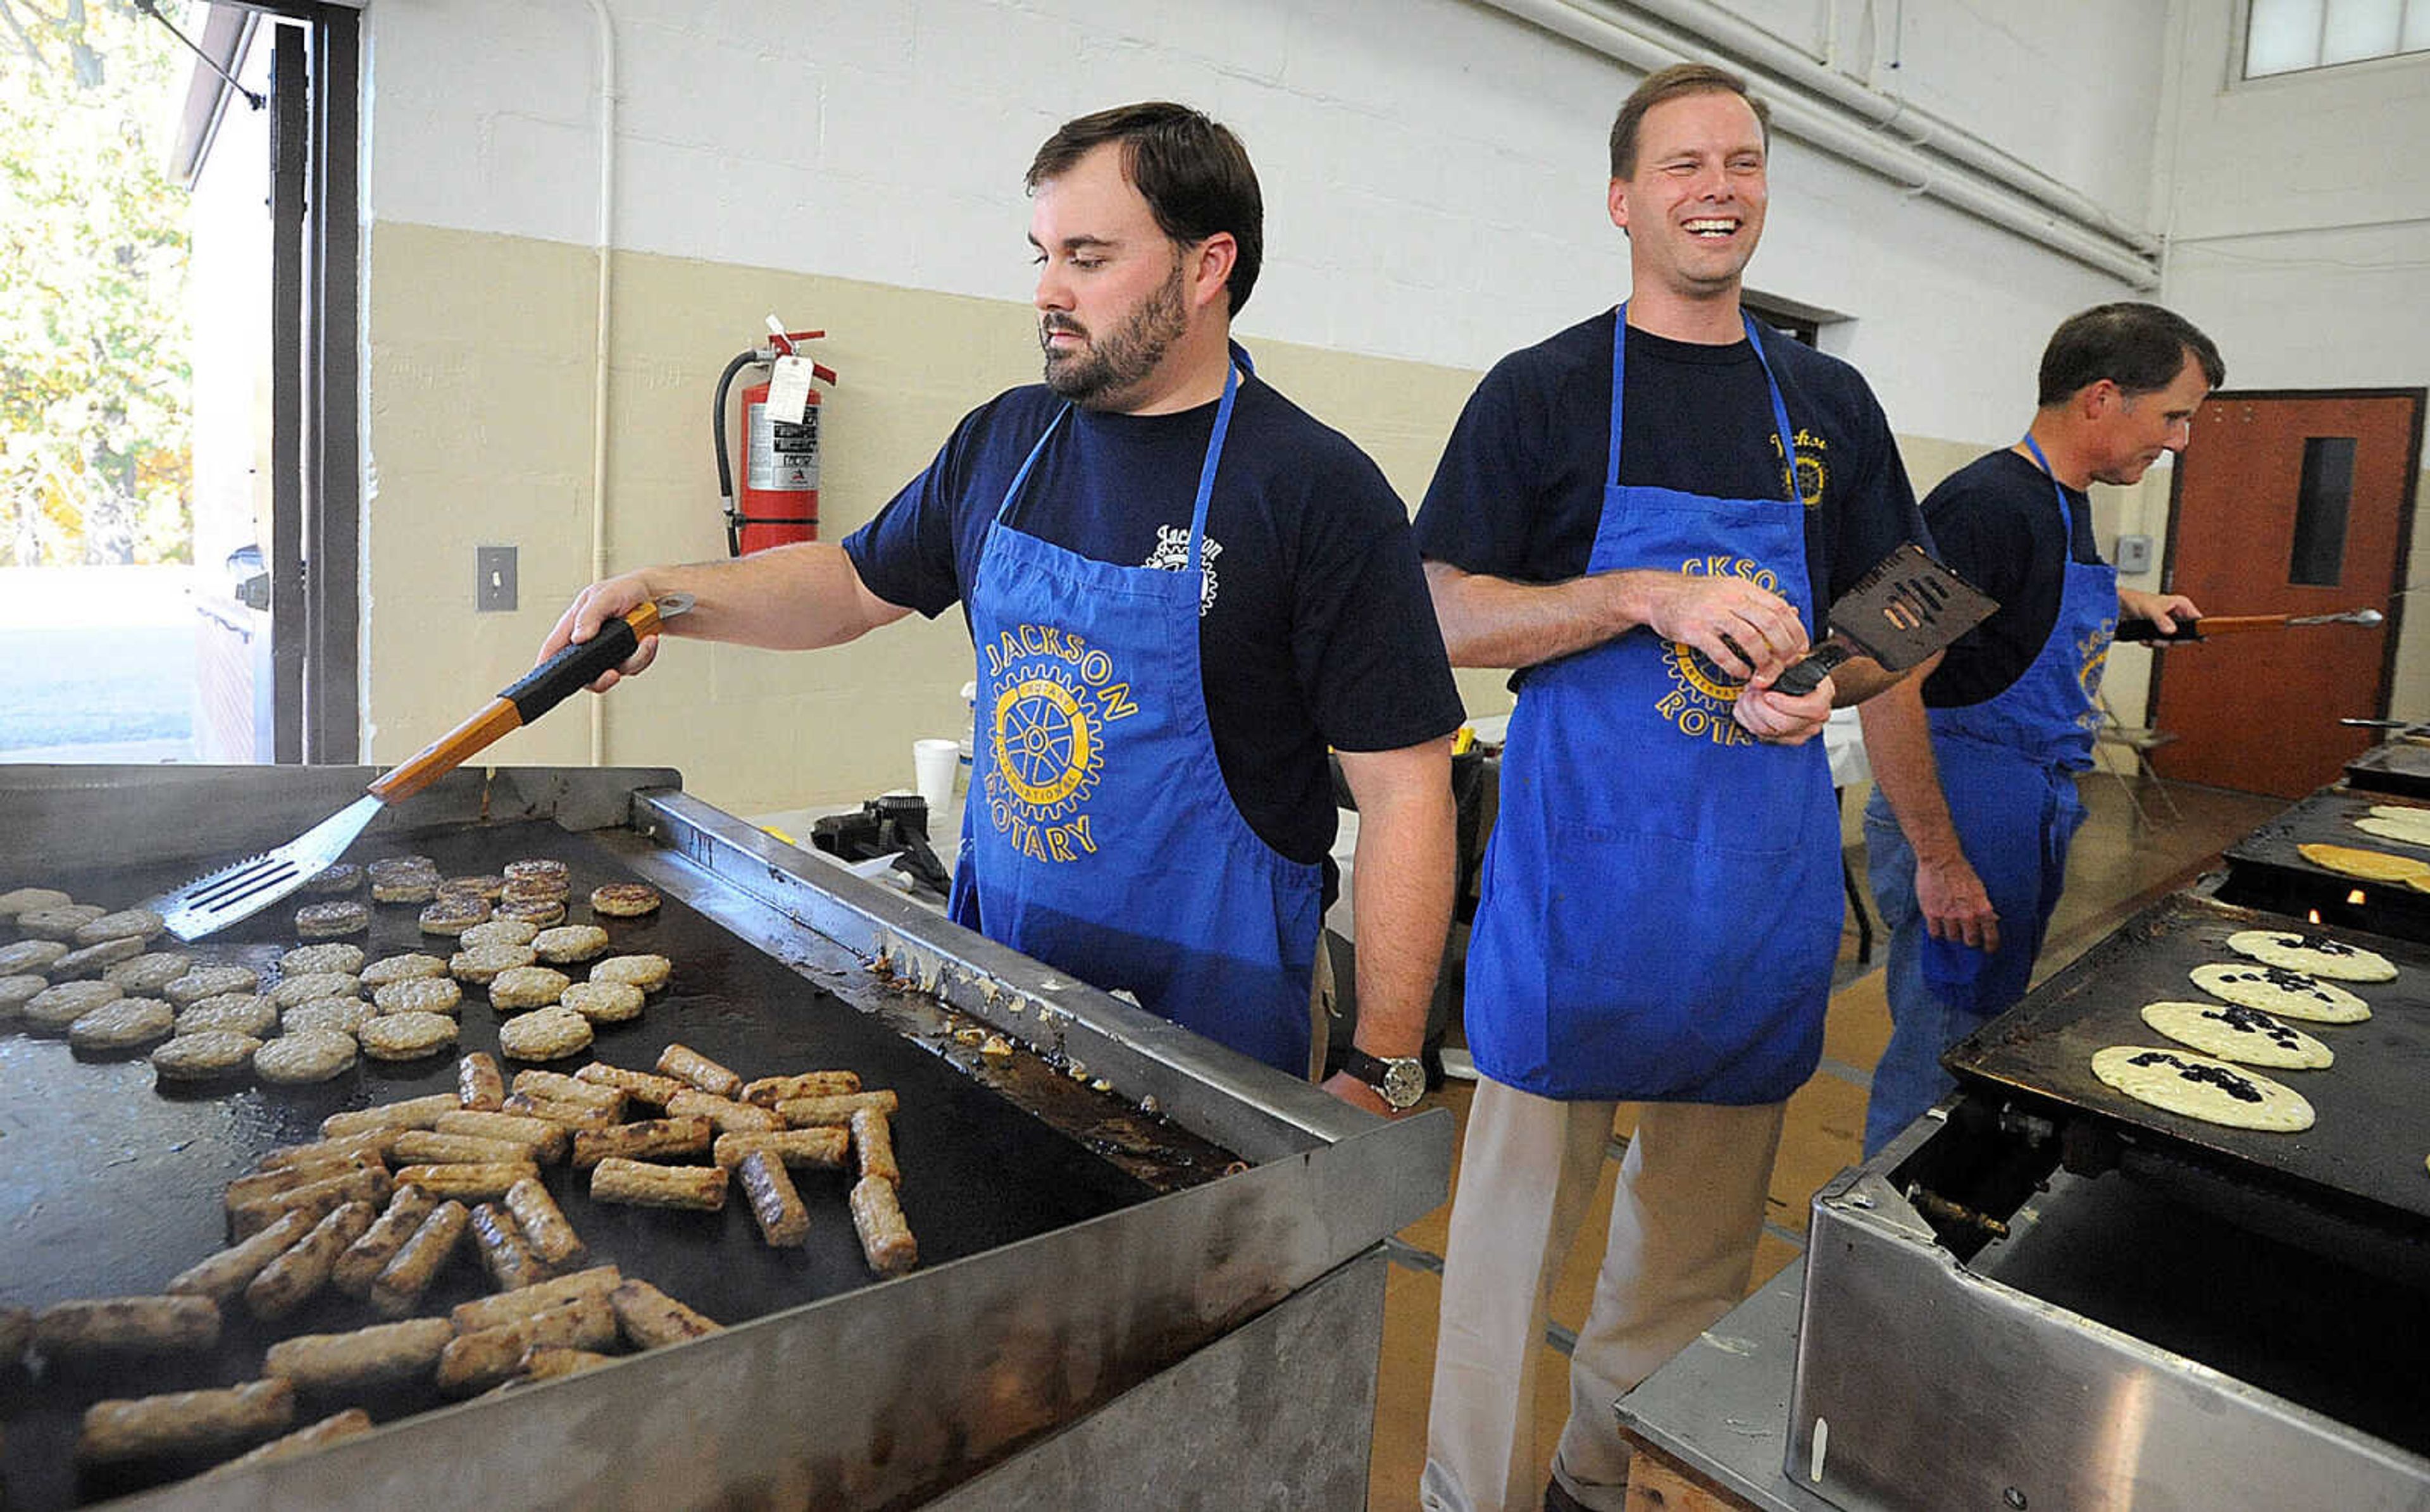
(1860, 143)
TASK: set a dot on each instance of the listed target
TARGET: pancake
(2373, 866)
(2277, 990)
(2198, 1087)
(2313, 954)
(2232, 1032)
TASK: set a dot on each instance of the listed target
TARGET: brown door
(2286, 504)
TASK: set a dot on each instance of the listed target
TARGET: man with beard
(1182, 588)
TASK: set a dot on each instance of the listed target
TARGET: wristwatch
(1399, 1080)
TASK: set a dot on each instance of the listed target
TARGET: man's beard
(1110, 367)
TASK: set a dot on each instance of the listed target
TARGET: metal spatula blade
(1907, 607)
(211, 903)
(207, 905)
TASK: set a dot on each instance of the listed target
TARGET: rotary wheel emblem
(1693, 669)
(1044, 745)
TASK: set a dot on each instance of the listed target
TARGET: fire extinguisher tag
(789, 390)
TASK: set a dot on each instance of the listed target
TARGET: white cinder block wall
(1434, 173)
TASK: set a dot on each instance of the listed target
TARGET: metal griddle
(2401, 767)
(1105, 1150)
(2268, 871)
(2365, 1151)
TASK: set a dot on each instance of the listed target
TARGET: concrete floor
(2120, 861)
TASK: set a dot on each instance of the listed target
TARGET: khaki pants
(1685, 1216)
(1320, 1008)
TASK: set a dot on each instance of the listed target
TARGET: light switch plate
(494, 591)
(2134, 555)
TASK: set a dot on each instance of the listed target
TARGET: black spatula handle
(1806, 675)
(575, 667)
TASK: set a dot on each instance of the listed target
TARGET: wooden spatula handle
(551, 683)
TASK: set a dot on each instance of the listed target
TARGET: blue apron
(1661, 900)
(1099, 836)
(2007, 767)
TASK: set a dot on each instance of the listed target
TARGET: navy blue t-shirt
(1315, 627)
(1996, 521)
(1518, 491)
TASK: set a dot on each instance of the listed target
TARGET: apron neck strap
(2066, 510)
(1237, 364)
(1618, 389)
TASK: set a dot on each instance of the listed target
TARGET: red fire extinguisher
(779, 502)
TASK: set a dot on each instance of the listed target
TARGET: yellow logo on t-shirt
(1050, 697)
(1813, 466)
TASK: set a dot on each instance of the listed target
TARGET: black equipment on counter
(895, 824)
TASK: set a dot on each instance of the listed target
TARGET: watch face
(1405, 1082)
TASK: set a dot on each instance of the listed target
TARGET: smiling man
(1151, 804)
(1643, 516)
(1974, 765)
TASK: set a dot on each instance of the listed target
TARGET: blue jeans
(1908, 1079)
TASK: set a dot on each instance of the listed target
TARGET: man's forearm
(1493, 622)
(1401, 893)
(1861, 679)
(797, 597)
(1898, 746)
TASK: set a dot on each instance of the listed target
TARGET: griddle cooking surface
(110, 1187)
(2373, 1125)
(2399, 766)
(2267, 871)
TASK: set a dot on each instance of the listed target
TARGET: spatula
(1905, 610)
(211, 903)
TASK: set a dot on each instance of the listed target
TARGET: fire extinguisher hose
(717, 434)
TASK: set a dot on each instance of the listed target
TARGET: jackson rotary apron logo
(1701, 695)
(2093, 647)
(1052, 696)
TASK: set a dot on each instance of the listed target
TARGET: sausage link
(286, 1282)
(318, 1198)
(466, 1181)
(367, 1357)
(557, 1110)
(650, 1318)
(632, 1181)
(339, 1151)
(728, 1115)
(260, 1185)
(480, 1086)
(510, 1261)
(546, 1141)
(564, 1089)
(16, 1332)
(873, 1139)
(690, 1067)
(182, 1421)
(222, 1275)
(131, 1324)
(413, 1113)
(479, 1360)
(644, 1140)
(837, 1111)
(410, 1273)
(783, 1220)
(640, 1085)
(425, 1147)
(488, 1312)
(770, 1090)
(364, 1259)
(885, 1237)
(547, 1362)
(809, 1148)
(545, 1229)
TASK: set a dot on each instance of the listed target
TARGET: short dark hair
(1669, 84)
(2141, 348)
(1192, 171)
